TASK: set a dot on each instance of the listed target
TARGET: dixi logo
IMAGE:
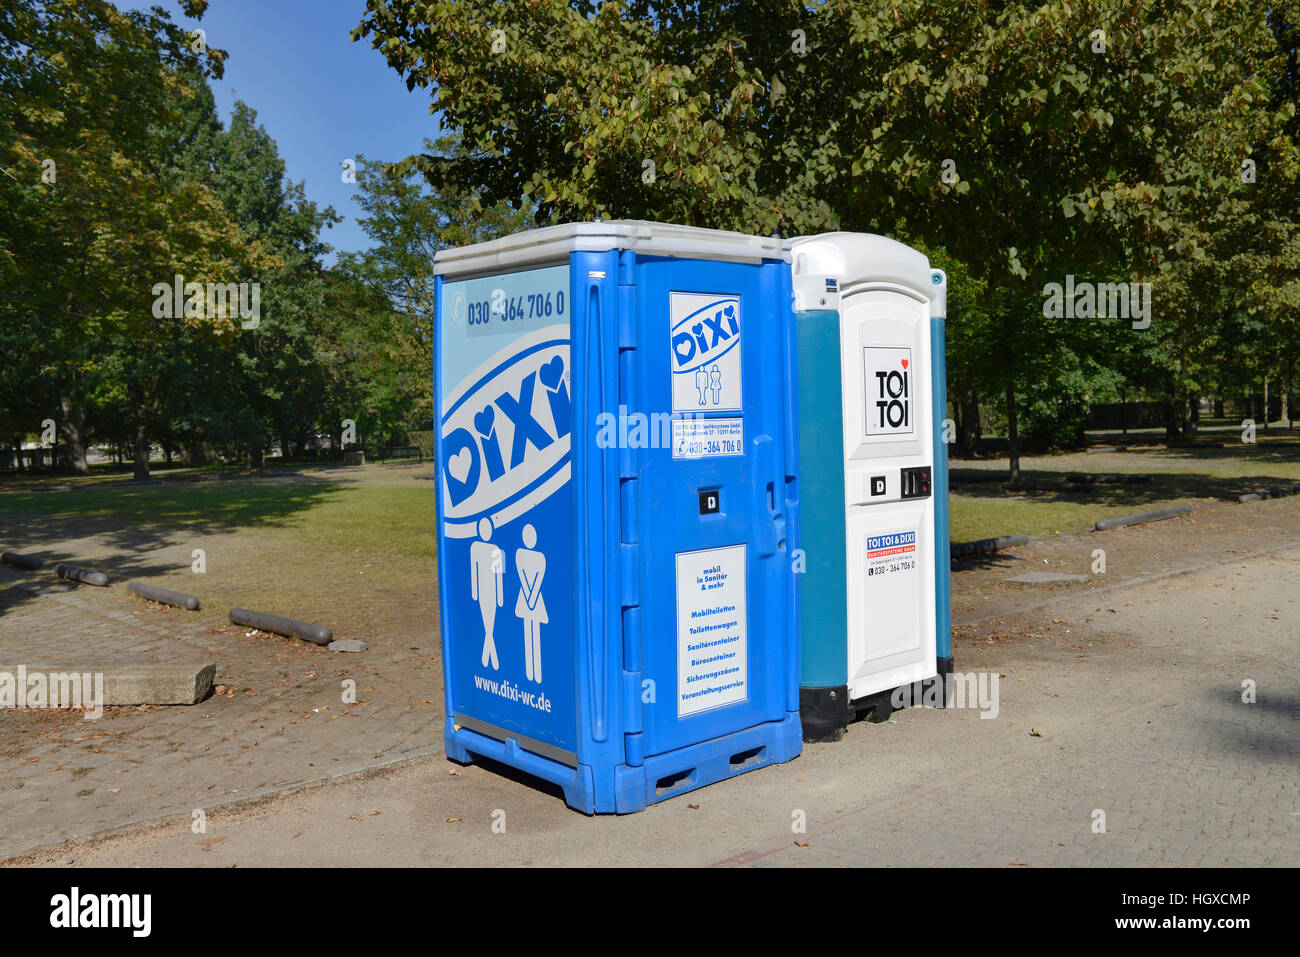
(506, 436)
(706, 334)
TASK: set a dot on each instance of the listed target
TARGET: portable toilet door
(615, 456)
(873, 476)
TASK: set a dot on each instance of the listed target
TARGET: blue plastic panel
(823, 585)
(525, 405)
(942, 562)
(714, 586)
(505, 530)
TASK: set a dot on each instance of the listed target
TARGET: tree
(92, 217)
(271, 382)
(1031, 141)
(408, 224)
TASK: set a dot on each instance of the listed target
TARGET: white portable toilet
(873, 475)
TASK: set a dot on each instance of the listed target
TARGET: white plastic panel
(885, 361)
(890, 595)
(885, 356)
(552, 244)
(886, 299)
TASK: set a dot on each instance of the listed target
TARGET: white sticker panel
(704, 348)
(888, 379)
(706, 438)
(892, 591)
(712, 629)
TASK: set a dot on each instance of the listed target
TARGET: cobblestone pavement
(1125, 700)
(279, 723)
(1158, 739)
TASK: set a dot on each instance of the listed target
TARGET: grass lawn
(1183, 476)
(353, 550)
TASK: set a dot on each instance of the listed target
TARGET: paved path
(1135, 690)
(279, 724)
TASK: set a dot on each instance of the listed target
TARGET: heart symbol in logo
(904, 363)
(458, 465)
(483, 421)
(551, 373)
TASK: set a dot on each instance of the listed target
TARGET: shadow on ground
(137, 522)
(978, 562)
(1163, 487)
(1267, 727)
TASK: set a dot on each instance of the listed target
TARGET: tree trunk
(256, 454)
(1290, 395)
(141, 449)
(1013, 434)
(969, 437)
(74, 435)
(1173, 421)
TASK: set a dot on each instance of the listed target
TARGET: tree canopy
(1026, 141)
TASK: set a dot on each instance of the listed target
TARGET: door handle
(769, 506)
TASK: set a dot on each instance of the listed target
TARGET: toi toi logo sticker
(887, 373)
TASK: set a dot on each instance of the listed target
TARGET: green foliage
(91, 213)
(408, 224)
(1017, 143)
(1024, 141)
(148, 184)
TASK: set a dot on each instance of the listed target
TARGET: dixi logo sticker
(704, 336)
(506, 434)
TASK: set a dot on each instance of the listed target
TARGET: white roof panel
(552, 244)
(864, 259)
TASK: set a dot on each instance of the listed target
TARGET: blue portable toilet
(875, 610)
(616, 458)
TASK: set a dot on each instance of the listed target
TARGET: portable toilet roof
(547, 243)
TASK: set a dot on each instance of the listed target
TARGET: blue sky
(321, 97)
